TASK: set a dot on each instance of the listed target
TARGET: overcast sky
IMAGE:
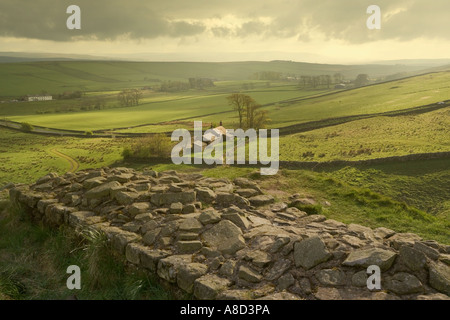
(327, 31)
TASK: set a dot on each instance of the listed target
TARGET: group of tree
(69, 95)
(249, 112)
(129, 97)
(200, 83)
(316, 81)
(174, 86)
(267, 75)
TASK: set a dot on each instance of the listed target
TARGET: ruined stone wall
(220, 239)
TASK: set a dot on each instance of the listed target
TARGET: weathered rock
(310, 252)
(228, 199)
(404, 283)
(412, 258)
(187, 274)
(183, 197)
(168, 267)
(439, 274)
(205, 195)
(372, 256)
(285, 281)
(78, 218)
(176, 208)
(189, 208)
(121, 239)
(247, 193)
(189, 246)
(247, 274)
(150, 258)
(331, 277)
(403, 239)
(430, 252)
(246, 183)
(126, 198)
(259, 258)
(209, 216)
(191, 225)
(102, 190)
(383, 233)
(150, 236)
(138, 208)
(279, 267)
(225, 237)
(261, 200)
(227, 268)
(237, 219)
(359, 279)
(209, 286)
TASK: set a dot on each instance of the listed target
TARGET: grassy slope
(25, 157)
(371, 138)
(34, 260)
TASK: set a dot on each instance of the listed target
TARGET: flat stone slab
(372, 256)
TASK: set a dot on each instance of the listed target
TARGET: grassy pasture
(371, 138)
(287, 105)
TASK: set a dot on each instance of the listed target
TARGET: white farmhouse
(40, 98)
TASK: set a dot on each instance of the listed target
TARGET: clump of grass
(310, 209)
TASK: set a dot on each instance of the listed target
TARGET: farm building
(219, 131)
(39, 98)
(340, 86)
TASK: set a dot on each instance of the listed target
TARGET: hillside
(17, 79)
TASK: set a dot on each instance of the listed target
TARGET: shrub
(25, 126)
(154, 146)
(88, 133)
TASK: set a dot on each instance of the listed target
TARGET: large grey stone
(372, 256)
(150, 258)
(189, 246)
(205, 195)
(404, 283)
(126, 198)
(191, 225)
(310, 252)
(261, 200)
(209, 216)
(209, 286)
(138, 208)
(225, 237)
(412, 258)
(440, 277)
(168, 267)
(237, 219)
(102, 190)
(331, 277)
(227, 199)
(247, 274)
(279, 267)
(187, 274)
(183, 197)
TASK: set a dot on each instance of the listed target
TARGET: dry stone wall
(219, 239)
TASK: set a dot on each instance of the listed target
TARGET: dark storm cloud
(147, 19)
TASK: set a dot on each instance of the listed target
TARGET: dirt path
(74, 165)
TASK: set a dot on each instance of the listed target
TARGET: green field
(287, 105)
(376, 137)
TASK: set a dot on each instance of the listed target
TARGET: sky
(325, 31)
